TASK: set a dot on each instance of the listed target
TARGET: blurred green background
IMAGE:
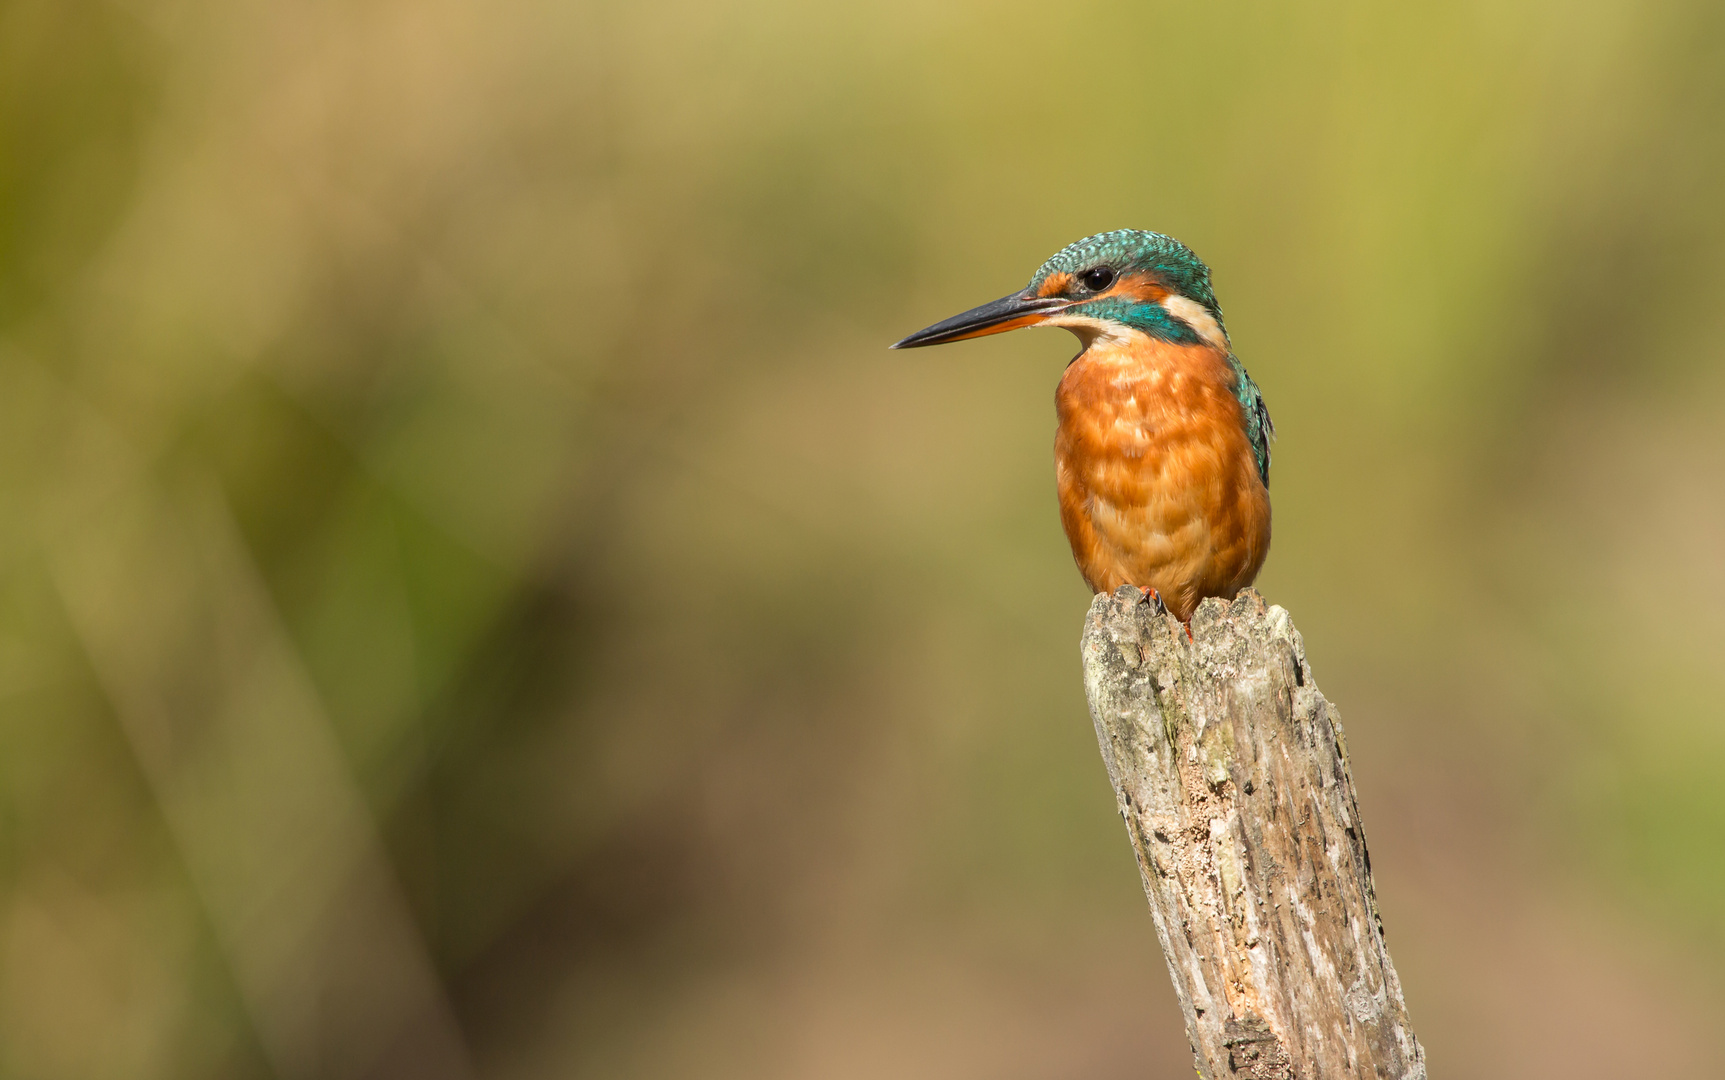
(479, 599)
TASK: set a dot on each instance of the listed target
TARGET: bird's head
(1105, 287)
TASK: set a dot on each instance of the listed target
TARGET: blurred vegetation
(477, 597)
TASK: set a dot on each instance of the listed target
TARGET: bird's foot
(1154, 598)
(1149, 595)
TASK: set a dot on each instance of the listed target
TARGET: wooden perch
(1231, 772)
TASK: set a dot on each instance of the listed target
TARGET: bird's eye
(1097, 278)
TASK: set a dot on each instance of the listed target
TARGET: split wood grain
(1231, 772)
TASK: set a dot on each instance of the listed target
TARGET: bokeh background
(479, 599)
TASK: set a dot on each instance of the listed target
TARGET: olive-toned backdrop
(478, 597)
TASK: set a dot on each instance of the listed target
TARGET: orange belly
(1158, 484)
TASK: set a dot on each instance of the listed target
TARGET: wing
(1259, 429)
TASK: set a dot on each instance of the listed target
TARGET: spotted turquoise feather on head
(1180, 270)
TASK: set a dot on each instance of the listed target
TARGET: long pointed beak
(1007, 313)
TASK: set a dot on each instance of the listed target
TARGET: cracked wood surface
(1231, 773)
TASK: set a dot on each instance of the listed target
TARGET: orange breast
(1158, 485)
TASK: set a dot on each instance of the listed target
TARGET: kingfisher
(1162, 450)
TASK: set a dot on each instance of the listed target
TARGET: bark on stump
(1231, 773)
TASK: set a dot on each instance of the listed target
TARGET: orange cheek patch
(1057, 285)
(1140, 287)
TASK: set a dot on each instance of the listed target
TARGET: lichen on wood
(1231, 772)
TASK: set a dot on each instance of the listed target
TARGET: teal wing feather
(1259, 429)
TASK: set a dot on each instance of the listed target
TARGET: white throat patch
(1111, 335)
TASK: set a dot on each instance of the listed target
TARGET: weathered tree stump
(1231, 772)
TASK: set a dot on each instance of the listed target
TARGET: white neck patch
(1198, 317)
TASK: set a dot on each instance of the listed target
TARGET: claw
(1153, 598)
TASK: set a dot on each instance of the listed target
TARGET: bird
(1162, 444)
